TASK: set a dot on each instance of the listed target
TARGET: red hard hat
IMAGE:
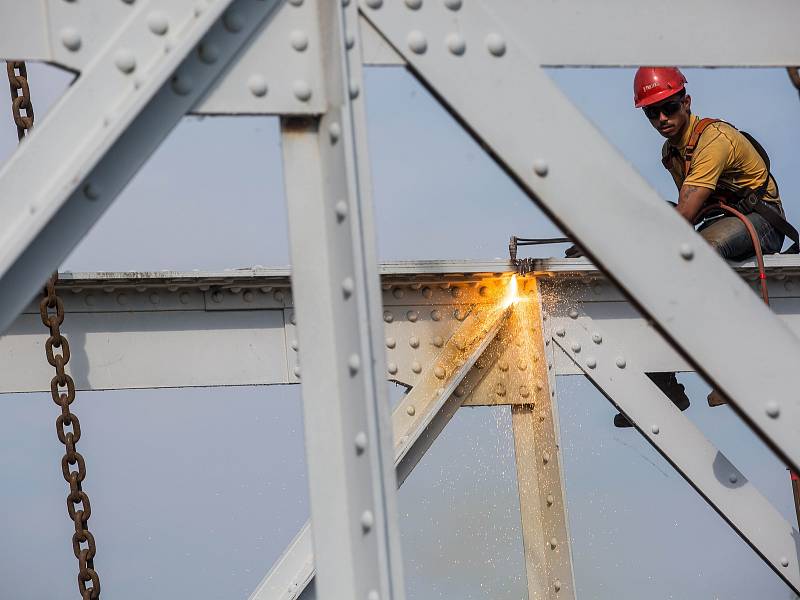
(653, 84)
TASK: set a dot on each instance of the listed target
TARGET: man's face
(670, 115)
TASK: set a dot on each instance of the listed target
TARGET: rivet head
(388, 317)
(416, 367)
(784, 561)
(341, 210)
(557, 585)
(417, 42)
(540, 167)
(157, 23)
(439, 372)
(91, 191)
(655, 429)
(294, 345)
(597, 338)
(436, 315)
(503, 366)
(500, 390)
(427, 293)
(399, 293)
(392, 368)
(334, 132)
(687, 253)
(391, 342)
(550, 499)
(438, 341)
(367, 521)
(302, 91)
(360, 442)
(576, 347)
(216, 297)
(495, 44)
(349, 40)
(456, 44)
(184, 298)
(733, 478)
(353, 364)
(522, 365)
(546, 457)
(620, 362)
(561, 332)
(413, 341)
(257, 85)
(125, 61)
(182, 84)
(299, 40)
(553, 543)
(248, 296)
(524, 391)
(297, 372)
(71, 39)
(413, 4)
(374, 4)
(355, 89)
(591, 363)
(412, 316)
(573, 313)
(410, 410)
(348, 285)
(154, 298)
(772, 409)
(233, 21)
(208, 52)
(452, 4)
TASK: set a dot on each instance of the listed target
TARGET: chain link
(62, 388)
(20, 97)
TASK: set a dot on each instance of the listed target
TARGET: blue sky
(226, 484)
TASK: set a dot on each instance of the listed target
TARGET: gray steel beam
(519, 115)
(337, 300)
(127, 99)
(616, 372)
(416, 422)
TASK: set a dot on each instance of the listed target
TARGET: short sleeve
(709, 161)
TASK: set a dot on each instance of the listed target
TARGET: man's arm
(691, 200)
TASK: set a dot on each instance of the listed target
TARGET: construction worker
(710, 161)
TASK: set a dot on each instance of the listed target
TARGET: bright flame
(512, 293)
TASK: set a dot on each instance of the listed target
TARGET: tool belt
(752, 201)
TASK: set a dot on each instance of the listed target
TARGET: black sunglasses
(668, 108)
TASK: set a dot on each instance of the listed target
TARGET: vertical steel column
(338, 303)
(545, 532)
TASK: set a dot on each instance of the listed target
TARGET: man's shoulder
(665, 149)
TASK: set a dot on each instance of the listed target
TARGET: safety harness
(746, 200)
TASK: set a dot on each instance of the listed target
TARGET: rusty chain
(62, 389)
(62, 386)
(20, 96)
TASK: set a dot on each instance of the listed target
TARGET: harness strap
(775, 219)
(693, 139)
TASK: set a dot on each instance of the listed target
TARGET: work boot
(667, 383)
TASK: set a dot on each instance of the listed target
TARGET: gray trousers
(728, 236)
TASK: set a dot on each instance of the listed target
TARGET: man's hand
(691, 200)
(573, 251)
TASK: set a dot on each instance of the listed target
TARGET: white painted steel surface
(616, 371)
(633, 235)
(336, 291)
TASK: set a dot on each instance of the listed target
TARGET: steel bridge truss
(143, 64)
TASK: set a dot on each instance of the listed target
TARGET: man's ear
(688, 102)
